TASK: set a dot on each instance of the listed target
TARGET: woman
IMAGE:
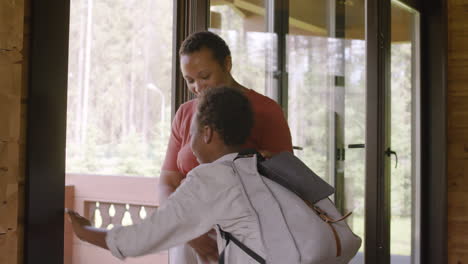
(206, 62)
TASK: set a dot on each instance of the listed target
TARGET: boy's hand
(85, 231)
(78, 222)
(77, 219)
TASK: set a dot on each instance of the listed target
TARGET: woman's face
(201, 70)
(197, 143)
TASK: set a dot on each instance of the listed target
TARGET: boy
(210, 195)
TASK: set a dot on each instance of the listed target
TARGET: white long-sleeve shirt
(211, 195)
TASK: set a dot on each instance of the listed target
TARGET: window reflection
(253, 49)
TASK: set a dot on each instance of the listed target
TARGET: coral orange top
(270, 132)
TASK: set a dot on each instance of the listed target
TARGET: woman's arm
(170, 179)
(274, 134)
(168, 183)
(204, 245)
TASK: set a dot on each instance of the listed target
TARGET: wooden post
(457, 118)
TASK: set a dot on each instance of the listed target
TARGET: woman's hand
(266, 154)
(168, 183)
(206, 247)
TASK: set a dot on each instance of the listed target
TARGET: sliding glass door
(347, 76)
(312, 57)
(326, 69)
(244, 27)
(118, 115)
(405, 135)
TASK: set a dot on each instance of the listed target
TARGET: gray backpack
(298, 222)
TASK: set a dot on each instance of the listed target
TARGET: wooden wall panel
(457, 104)
(458, 39)
(14, 39)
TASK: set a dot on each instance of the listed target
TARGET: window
(243, 25)
(312, 56)
(326, 66)
(119, 86)
(405, 134)
(119, 113)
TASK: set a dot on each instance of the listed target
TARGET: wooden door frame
(46, 130)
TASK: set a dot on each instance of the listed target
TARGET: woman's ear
(228, 63)
(207, 134)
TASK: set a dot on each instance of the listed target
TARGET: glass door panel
(405, 136)
(243, 25)
(326, 66)
(119, 87)
(118, 115)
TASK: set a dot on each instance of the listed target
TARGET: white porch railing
(109, 201)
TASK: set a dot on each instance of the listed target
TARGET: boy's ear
(228, 63)
(207, 134)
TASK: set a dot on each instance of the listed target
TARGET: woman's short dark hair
(227, 111)
(206, 39)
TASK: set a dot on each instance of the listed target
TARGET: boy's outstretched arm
(85, 231)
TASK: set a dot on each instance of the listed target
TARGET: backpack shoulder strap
(229, 237)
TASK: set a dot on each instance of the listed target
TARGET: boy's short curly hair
(228, 112)
(206, 39)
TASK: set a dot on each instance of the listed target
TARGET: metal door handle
(356, 145)
(390, 152)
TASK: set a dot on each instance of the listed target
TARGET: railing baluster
(107, 215)
(97, 215)
(142, 213)
(106, 219)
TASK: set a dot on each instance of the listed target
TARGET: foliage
(120, 64)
